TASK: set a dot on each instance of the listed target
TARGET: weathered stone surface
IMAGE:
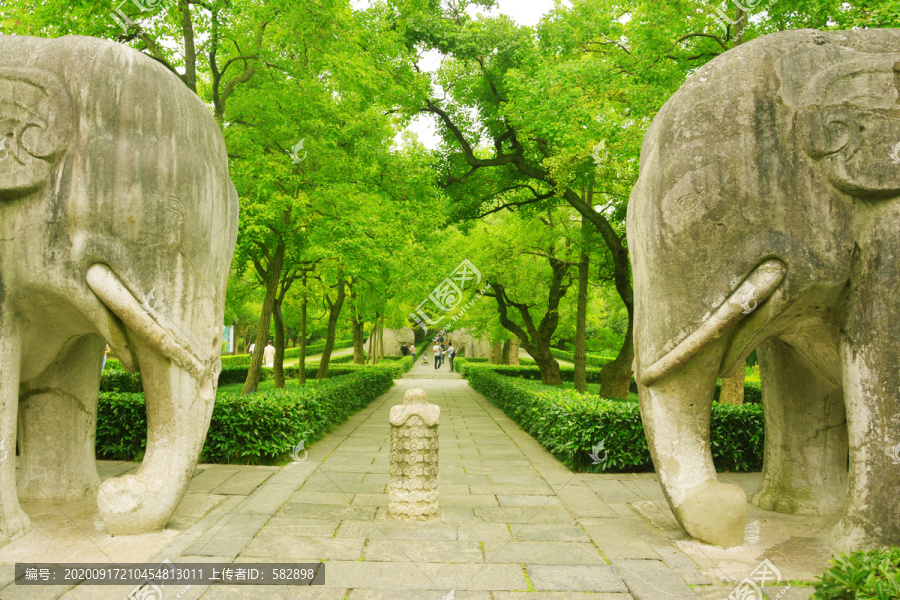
(393, 339)
(117, 214)
(413, 487)
(589, 578)
(652, 580)
(766, 215)
(469, 346)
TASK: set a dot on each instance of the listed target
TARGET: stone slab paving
(515, 524)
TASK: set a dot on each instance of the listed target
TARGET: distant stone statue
(413, 488)
(394, 339)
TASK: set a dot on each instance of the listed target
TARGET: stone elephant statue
(766, 215)
(393, 339)
(117, 224)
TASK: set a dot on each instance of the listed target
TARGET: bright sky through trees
(523, 12)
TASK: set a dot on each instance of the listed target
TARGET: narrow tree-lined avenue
(427, 299)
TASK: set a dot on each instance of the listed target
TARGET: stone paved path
(514, 524)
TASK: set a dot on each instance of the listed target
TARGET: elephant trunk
(676, 415)
(676, 396)
(179, 381)
(179, 407)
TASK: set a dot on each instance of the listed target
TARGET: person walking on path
(451, 352)
(437, 357)
(269, 354)
(412, 352)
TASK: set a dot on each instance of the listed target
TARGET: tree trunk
(279, 344)
(514, 351)
(496, 354)
(546, 363)
(504, 353)
(380, 356)
(272, 275)
(581, 317)
(356, 324)
(190, 52)
(373, 341)
(240, 335)
(615, 376)
(333, 314)
(358, 354)
(301, 364)
(733, 388)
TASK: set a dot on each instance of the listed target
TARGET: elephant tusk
(757, 287)
(116, 296)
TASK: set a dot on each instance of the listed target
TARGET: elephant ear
(848, 119)
(35, 128)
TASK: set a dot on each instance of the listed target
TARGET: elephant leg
(57, 425)
(870, 354)
(804, 469)
(14, 523)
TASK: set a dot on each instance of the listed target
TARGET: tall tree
(528, 260)
(584, 264)
(334, 311)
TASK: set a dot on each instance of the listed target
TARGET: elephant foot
(14, 524)
(714, 513)
(798, 502)
(126, 507)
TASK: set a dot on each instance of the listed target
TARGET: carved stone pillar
(413, 490)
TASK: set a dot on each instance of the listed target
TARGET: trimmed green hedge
(752, 390)
(872, 575)
(570, 424)
(256, 429)
(243, 360)
(121, 381)
(527, 371)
